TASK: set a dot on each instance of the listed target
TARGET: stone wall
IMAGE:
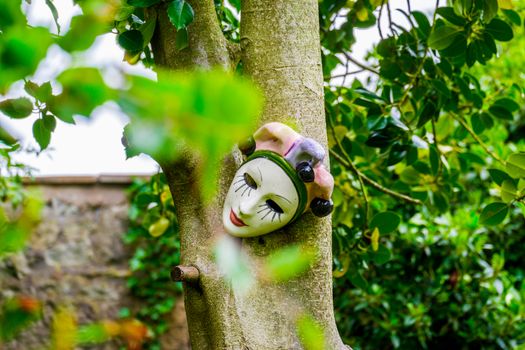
(76, 258)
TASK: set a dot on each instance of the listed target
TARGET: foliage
(420, 140)
(17, 314)
(224, 104)
(19, 207)
(153, 232)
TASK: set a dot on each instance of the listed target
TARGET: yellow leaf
(375, 239)
(159, 227)
(165, 196)
(131, 57)
(362, 14)
(376, 3)
(64, 332)
(342, 272)
(505, 4)
(112, 328)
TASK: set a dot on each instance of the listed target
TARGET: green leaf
(477, 124)
(433, 159)
(17, 108)
(410, 176)
(448, 14)
(422, 22)
(180, 13)
(22, 49)
(463, 7)
(386, 222)
(508, 191)
(507, 103)
(494, 213)
(457, 48)
(41, 134)
(500, 112)
(513, 16)
(147, 30)
(357, 280)
(143, 3)
(83, 89)
(490, 9)
(54, 12)
(123, 13)
(82, 33)
(387, 47)
(40, 92)
(223, 105)
(11, 14)
(236, 4)
(92, 334)
(6, 137)
(426, 113)
(442, 87)
(50, 122)
(500, 30)
(131, 40)
(288, 262)
(499, 176)
(181, 39)
(382, 255)
(310, 333)
(516, 165)
(441, 201)
(17, 314)
(489, 43)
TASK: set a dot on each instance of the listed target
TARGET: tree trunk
(281, 52)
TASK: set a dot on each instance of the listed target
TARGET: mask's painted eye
(250, 181)
(274, 206)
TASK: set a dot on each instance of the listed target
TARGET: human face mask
(262, 198)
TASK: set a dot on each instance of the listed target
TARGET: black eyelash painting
(268, 207)
(246, 183)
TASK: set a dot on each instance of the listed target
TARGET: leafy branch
(356, 172)
(477, 139)
(350, 165)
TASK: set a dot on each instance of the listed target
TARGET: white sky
(93, 145)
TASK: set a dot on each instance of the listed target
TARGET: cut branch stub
(185, 274)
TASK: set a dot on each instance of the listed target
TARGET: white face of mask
(261, 199)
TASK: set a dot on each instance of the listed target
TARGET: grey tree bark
(280, 50)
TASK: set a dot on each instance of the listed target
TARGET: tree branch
(478, 140)
(357, 173)
(349, 164)
(379, 19)
(207, 46)
(359, 64)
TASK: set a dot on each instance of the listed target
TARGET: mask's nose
(248, 206)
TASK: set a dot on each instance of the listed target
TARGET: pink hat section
(275, 137)
(282, 139)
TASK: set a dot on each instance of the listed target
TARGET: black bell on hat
(305, 172)
(321, 207)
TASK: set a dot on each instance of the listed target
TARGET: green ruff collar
(292, 174)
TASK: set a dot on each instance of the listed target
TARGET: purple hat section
(305, 150)
(295, 148)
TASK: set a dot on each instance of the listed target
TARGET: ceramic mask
(282, 177)
(261, 199)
